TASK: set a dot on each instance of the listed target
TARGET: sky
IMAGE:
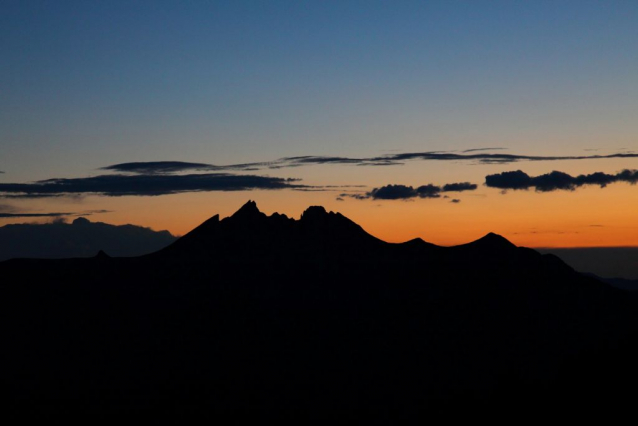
(369, 108)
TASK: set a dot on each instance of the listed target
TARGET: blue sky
(126, 79)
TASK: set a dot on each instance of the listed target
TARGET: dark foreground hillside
(270, 312)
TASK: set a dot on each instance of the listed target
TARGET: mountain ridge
(317, 216)
(250, 235)
(256, 311)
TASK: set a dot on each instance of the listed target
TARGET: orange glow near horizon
(319, 100)
(580, 218)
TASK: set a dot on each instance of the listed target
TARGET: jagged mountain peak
(314, 214)
(250, 230)
(249, 209)
(314, 210)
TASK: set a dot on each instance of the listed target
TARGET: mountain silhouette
(254, 311)
(492, 241)
(251, 236)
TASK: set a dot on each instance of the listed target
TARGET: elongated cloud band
(169, 167)
(11, 212)
(473, 155)
(144, 185)
(556, 180)
(34, 215)
(403, 192)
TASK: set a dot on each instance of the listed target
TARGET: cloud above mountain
(556, 180)
(145, 185)
(403, 192)
(171, 177)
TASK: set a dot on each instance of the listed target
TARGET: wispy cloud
(484, 149)
(20, 215)
(471, 155)
(170, 167)
(11, 212)
(92, 212)
(157, 167)
(556, 180)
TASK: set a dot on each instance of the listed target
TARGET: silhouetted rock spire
(314, 215)
(248, 211)
(314, 211)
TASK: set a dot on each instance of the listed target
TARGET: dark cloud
(455, 201)
(397, 159)
(339, 199)
(169, 167)
(483, 149)
(379, 163)
(556, 180)
(393, 192)
(20, 215)
(10, 212)
(356, 196)
(471, 155)
(458, 187)
(428, 191)
(145, 185)
(509, 180)
(157, 167)
(403, 192)
(309, 159)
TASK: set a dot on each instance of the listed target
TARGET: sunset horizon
(433, 120)
(407, 208)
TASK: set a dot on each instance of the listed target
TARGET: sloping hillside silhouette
(257, 311)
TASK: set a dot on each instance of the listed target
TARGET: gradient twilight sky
(89, 84)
